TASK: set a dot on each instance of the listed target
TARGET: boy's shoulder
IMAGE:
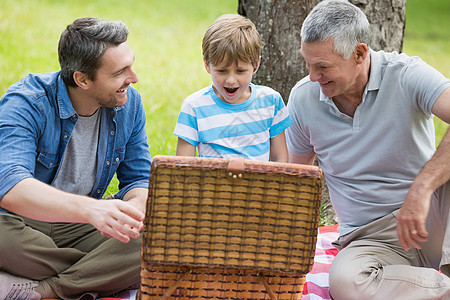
(200, 96)
(263, 90)
(201, 92)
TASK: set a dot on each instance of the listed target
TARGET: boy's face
(231, 83)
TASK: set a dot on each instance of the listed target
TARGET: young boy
(233, 117)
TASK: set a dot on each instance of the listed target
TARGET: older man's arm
(436, 172)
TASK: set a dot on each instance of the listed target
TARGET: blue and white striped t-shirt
(220, 129)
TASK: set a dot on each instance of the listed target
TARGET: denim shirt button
(117, 159)
(111, 133)
(107, 163)
(65, 136)
(98, 191)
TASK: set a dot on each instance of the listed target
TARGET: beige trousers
(74, 259)
(373, 265)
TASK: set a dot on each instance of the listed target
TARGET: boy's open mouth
(230, 90)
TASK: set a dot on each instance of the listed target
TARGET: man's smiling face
(335, 74)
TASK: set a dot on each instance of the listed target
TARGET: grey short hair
(83, 43)
(340, 21)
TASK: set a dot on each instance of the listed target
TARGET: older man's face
(335, 74)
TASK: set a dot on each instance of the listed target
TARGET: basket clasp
(235, 169)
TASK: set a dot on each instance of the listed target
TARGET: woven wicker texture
(262, 221)
(216, 283)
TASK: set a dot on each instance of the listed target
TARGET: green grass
(166, 39)
(427, 36)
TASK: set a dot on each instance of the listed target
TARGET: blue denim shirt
(37, 120)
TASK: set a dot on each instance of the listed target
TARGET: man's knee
(11, 231)
(350, 278)
(341, 281)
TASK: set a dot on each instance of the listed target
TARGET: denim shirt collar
(66, 109)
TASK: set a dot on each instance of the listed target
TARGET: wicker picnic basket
(228, 229)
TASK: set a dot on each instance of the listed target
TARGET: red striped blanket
(316, 286)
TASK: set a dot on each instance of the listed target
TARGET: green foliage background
(166, 38)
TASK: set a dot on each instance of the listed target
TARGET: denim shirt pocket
(48, 160)
(46, 166)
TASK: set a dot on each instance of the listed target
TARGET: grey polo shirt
(370, 160)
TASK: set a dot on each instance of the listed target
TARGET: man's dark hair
(83, 43)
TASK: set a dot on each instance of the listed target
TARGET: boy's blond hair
(231, 38)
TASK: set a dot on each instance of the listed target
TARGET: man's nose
(133, 78)
(314, 74)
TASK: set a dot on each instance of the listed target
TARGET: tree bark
(279, 23)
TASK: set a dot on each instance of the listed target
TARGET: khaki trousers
(74, 259)
(373, 265)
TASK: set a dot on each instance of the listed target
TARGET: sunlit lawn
(427, 36)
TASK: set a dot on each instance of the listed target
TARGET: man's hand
(135, 200)
(117, 219)
(412, 216)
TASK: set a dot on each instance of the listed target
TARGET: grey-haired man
(368, 117)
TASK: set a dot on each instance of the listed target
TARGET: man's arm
(36, 200)
(138, 198)
(413, 213)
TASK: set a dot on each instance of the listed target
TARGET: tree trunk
(279, 23)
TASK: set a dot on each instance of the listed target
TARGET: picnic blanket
(316, 286)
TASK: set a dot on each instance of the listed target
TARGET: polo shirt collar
(375, 71)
